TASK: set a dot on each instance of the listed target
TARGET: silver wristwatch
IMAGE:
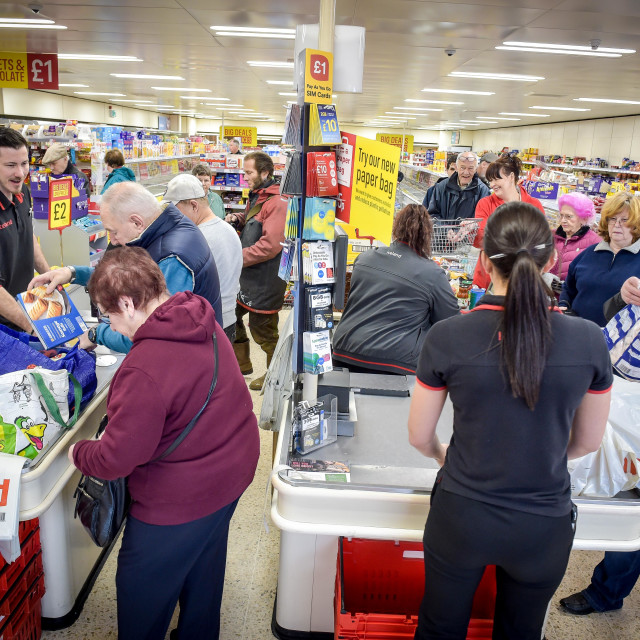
(73, 274)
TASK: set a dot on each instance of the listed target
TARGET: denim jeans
(613, 579)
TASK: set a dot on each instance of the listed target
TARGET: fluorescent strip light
(162, 106)
(431, 102)
(573, 47)
(275, 65)
(287, 93)
(417, 108)
(461, 91)
(4, 25)
(253, 34)
(527, 115)
(200, 98)
(456, 124)
(86, 86)
(226, 106)
(495, 76)
(558, 108)
(406, 116)
(595, 54)
(283, 82)
(606, 100)
(181, 89)
(254, 29)
(494, 118)
(98, 93)
(135, 101)
(489, 122)
(143, 76)
(474, 122)
(27, 20)
(90, 56)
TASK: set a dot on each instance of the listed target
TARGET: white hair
(127, 198)
(470, 156)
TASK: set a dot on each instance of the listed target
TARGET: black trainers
(576, 605)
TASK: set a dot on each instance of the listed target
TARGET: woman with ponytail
(396, 294)
(530, 389)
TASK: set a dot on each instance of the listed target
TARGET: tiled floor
(252, 569)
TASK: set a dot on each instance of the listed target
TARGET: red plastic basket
(10, 572)
(379, 588)
(25, 622)
(19, 588)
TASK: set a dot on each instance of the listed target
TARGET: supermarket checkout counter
(387, 498)
(71, 560)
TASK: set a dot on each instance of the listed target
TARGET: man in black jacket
(457, 197)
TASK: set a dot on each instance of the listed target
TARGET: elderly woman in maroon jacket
(574, 233)
(175, 540)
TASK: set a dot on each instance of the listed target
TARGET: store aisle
(252, 570)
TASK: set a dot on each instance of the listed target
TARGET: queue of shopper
(535, 383)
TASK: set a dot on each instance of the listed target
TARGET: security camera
(449, 52)
(35, 7)
(595, 43)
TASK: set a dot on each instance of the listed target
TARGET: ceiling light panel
(568, 47)
(143, 76)
(91, 56)
(607, 100)
(185, 89)
(432, 101)
(6, 25)
(495, 76)
(99, 93)
(78, 86)
(273, 65)
(494, 118)
(526, 115)
(558, 108)
(460, 91)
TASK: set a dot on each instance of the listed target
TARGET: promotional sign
(395, 140)
(60, 203)
(318, 76)
(247, 135)
(28, 70)
(371, 170)
(323, 126)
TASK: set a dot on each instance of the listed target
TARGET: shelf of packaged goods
(220, 187)
(161, 158)
(580, 168)
(227, 170)
(423, 170)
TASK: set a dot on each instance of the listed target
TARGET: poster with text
(395, 140)
(371, 168)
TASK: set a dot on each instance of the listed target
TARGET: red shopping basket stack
(379, 587)
(22, 587)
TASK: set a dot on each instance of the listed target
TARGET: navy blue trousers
(463, 536)
(613, 579)
(161, 565)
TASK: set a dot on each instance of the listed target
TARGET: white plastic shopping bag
(607, 471)
(10, 471)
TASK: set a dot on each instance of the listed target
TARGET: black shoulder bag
(102, 505)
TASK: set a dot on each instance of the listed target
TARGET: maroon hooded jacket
(160, 386)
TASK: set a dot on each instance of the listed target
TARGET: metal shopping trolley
(452, 243)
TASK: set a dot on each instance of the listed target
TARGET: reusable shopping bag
(19, 351)
(34, 411)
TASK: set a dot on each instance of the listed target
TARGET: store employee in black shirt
(19, 250)
(530, 389)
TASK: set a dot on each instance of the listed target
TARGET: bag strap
(192, 424)
(51, 403)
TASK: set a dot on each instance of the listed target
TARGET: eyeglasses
(469, 158)
(103, 316)
(567, 216)
(612, 222)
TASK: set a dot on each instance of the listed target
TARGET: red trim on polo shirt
(342, 356)
(599, 392)
(427, 386)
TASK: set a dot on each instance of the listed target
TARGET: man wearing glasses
(456, 198)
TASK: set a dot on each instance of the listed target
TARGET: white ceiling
(405, 42)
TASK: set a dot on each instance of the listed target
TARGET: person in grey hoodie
(397, 293)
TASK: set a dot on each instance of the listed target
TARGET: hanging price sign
(60, 203)
(318, 76)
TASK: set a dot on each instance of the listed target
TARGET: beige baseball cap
(184, 187)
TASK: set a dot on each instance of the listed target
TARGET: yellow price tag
(60, 203)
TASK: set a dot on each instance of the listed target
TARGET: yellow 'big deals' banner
(368, 179)
(247, 135)
(395, 140)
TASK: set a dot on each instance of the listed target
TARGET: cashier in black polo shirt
(19, 250)
(530, 389)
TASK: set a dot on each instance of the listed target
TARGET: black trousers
(161, 565)
(463, 536)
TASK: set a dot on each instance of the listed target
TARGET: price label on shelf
(318, 76)
(60, 203)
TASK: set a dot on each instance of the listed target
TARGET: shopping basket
(452, 243)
